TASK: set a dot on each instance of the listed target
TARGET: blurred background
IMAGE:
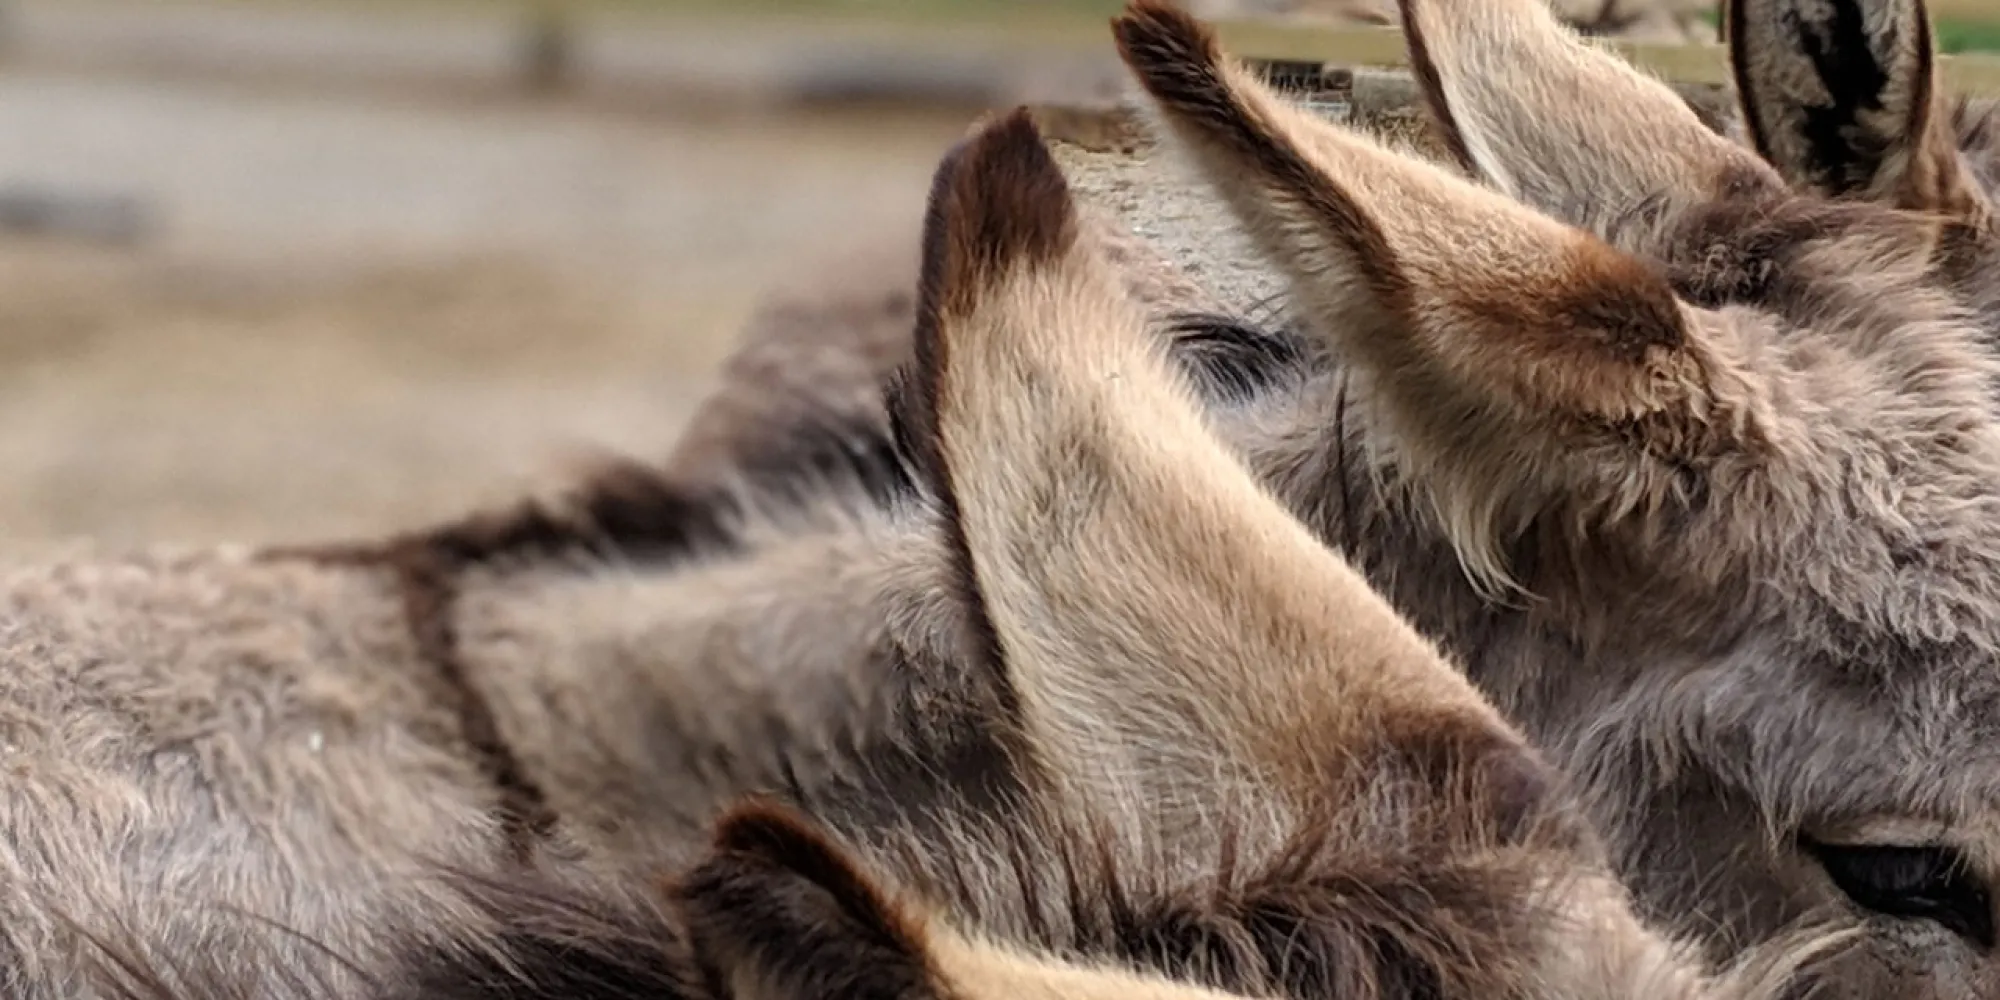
(282, 269)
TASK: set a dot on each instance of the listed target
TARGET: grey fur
(233, 775)
(1765, 645)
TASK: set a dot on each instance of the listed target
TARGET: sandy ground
(356, 312)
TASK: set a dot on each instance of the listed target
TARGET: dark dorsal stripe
(636, 513)
(430, 595)
(427, 589)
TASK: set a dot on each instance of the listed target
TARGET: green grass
(1968, 36)
(1954, 34)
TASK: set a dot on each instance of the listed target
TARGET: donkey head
(1231, 755)
(1723, 458)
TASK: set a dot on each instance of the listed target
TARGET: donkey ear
(1457, 297)
(1166, 627)
(1842, 97)
(1561, 124)
(1515, 359)
(778, 911)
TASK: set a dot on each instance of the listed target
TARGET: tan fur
(1255, 674)
(1285, 748)
(1520, 100)
(1501, 367)
(1640, 20)
(1772, 643)
(1311, 660)
(981, 970)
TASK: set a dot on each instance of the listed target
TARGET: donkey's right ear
(1842, 97)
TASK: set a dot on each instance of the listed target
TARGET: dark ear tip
(1144, 19)
(1171, 52)
(762, 828)
(1006, 203)
(1008, 161)
(997, 198)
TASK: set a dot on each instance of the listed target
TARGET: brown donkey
(1696, 473)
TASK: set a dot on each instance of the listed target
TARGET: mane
(632, 511)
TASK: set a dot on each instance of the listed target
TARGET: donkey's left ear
(779, 910)
(1842, 97)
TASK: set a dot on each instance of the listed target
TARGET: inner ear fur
(1842, 97)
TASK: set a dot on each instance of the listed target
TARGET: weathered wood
(1383, 47)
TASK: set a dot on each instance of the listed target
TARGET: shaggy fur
(1142, 720)
(775, 909)
(1695, 469)
(1842, 98)
(1244, 772)
(194, 749)
(1759, 579)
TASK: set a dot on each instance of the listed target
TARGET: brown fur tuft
(1006, 207)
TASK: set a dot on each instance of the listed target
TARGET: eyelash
(1917, 882)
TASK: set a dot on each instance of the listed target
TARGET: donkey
(1730, 453)
(1244, 772)
(1696, 474)
(1089, 734)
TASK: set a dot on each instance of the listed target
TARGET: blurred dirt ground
(355, 313)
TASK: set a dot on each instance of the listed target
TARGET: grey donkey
(1694, 468)
(1210, 754)
(1137, 728)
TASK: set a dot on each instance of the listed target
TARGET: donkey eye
(1925, 883)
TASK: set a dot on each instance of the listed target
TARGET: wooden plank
(555, 35)
(1352, 46)
(1383, 47)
